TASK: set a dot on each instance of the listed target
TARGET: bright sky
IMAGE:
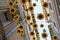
(38, 9)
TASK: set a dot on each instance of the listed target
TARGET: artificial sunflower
(48, 15)
(35, 26)
(29, 0)
(45, 5)
(33, 16)
(31, 23)
(28, 17)
(12, 10)
(16, 2)
(32, 33)
(50, 29)
(41, 25)
(37, 33)
(23, 1)
(55, 37)
(27, 10)
(11, 3)
(30, 8)
(34, 4)
(34, 38)
(44, 35)
(21, 27)
(40, 16)
(16, 17)
(18, 31)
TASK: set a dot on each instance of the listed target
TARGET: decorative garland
(34, 33)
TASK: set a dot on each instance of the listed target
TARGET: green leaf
(44, 30)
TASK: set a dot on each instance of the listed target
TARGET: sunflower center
(31, 8)
(35, 25)
(32, 33)
(44, 35)
(28, 17)
(55, 37)
(10, 3)
(23, 1)
(26, 9)
(29, 0)
(21, 27)
(40, 16)
(19, 31)
(12, 10)
(34, 4)
(16, 2)
(34, 38)
(31, 23)
(42, 25)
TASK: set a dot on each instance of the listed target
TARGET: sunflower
(23, 1)
(29, 0)
(12, 10)
(30, 8)
(16, 17)
(33, 16)
(28, 17)
(45, 5)
(37, 33)
(35, 26)
(55, 37)
(18, 31)
(21, 27)
(44, 35)
(31, 23)
(42, 25)
(34, 4)
(34, 38)
(16, 2)
(50, 29)
(40, 16)
(11, 3)
(32, 33)
(27, 10)
(48, 15)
